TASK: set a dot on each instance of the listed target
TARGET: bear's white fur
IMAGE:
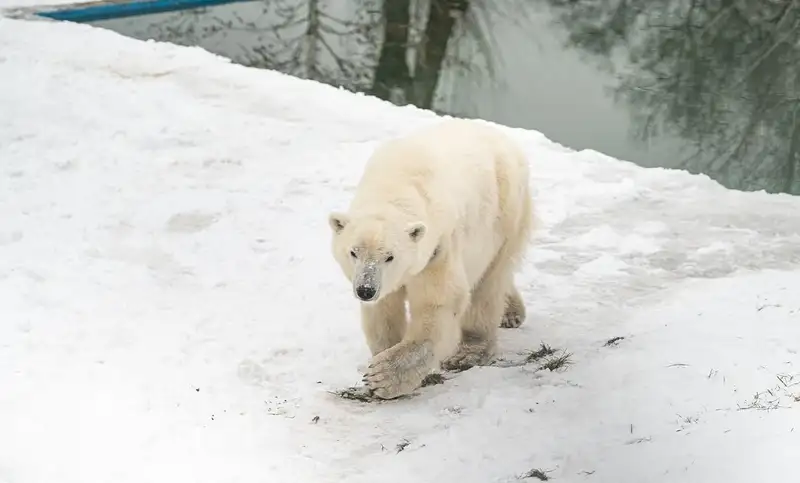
(441, 219)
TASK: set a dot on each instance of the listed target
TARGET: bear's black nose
(365, 292)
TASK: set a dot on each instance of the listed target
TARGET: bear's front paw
(511, 320)
(398, 370)
(514, 313)
(468, 356)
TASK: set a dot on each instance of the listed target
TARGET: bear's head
(375, 254)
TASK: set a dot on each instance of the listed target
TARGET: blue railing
(91, 12)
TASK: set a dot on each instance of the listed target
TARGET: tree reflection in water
(721, 74)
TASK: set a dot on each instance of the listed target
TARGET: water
(710, 86)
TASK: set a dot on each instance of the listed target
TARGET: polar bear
(440, 219)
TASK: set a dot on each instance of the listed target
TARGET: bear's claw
(511, 321)
(397, 371)
(467, 356)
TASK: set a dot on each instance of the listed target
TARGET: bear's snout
(366, 292)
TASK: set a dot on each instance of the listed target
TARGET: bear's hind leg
(480, 322)
(384, 322)
(514, 315)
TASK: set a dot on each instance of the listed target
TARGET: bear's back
(460, 173)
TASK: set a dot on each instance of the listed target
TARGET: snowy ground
(169, 310)
(39, 4)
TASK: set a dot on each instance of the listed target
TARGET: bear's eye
(389, 258)
(353, 253)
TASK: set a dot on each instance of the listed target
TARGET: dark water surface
(709, 86)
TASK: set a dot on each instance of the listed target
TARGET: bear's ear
(337, 221)
(416, 231)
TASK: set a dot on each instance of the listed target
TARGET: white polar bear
(440, 218)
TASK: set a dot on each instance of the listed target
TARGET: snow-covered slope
(169, 310)
(29, 5)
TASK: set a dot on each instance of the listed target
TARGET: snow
(170, 311)
(39, 4)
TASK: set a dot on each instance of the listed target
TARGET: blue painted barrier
(104, 11)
